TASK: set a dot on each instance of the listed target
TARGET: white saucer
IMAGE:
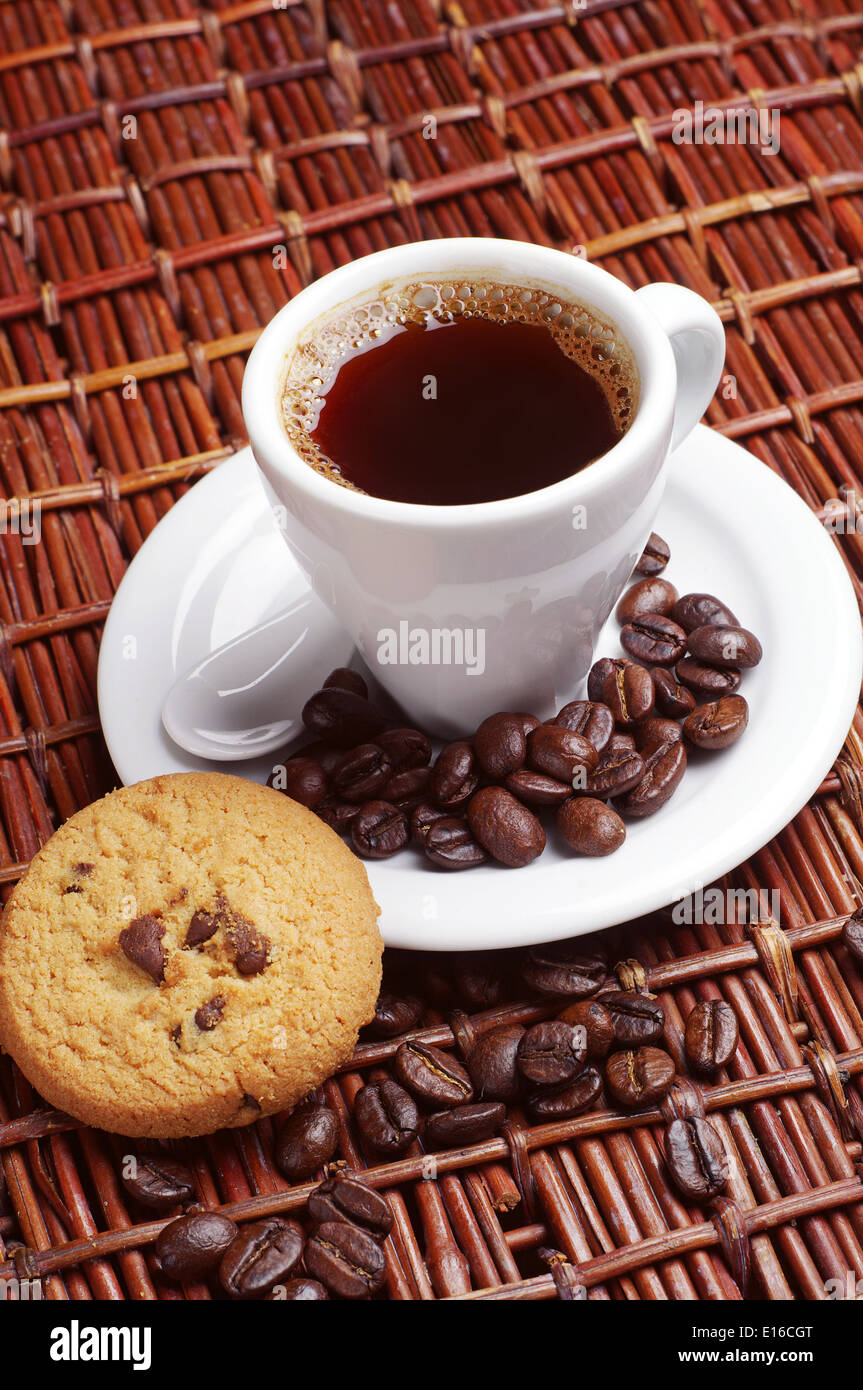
(217, 564)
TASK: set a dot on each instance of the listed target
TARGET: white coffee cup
(464, 610)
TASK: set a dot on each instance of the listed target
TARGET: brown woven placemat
(171, 174)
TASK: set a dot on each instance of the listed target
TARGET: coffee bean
(436, 1078)
(590, 827)
(302, 779)
(395, 1014)
(536, 788)
(306, 1141)
(338, 815)
(507, 830)
(157, 1182)
(654, 731)
(560, 753)
(636, 1018)
(718, 724)
(423, 818)
(405, 748)
(653, 638)
(191, 1247)
(454, 777)
(319, 752)
(348, 1199)
(386, 1116)
(450, 845)
(500, 744)
(467, 1124)
(655, 556)
(628, 692)
(672, 699)
(595, 1019)
(852, 935)
(646, 596)
(342, 718)
(562, 970)
(529, 722)
(436, 977)
(479, 978)
(599, 673)
(696, 1158)
(361, 773)
(299, 1291)
(551, 1053)
(711, 1035)
(407, 789)
(379, 830)
(346, 1260)
(263, 1254)
(663, 770)
(725, 646)
(493, 1063)
(590, 718)
(343, 678)
(616, 772)
(640, 1077)
(620, 743)
(709, 682)
(697, 610)
(562, 1102)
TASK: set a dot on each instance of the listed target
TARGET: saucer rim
(467, 930)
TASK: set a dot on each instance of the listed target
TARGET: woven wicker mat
(171, 174)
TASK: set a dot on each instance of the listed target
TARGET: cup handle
(698, 342)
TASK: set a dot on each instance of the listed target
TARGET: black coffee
(448, 394)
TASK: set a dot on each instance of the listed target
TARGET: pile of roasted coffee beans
(619, 754)
(600, 1046)
(622, 1059)
(337, 1255)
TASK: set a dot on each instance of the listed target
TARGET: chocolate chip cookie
(186, 954)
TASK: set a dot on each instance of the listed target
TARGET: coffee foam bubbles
(586, 337)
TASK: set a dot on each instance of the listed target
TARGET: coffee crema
(442, 393)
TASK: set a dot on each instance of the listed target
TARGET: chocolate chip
(141, 943)
(250, 947)
(202, 926)
(210, 1014)
(80, 871)
(176, 1034)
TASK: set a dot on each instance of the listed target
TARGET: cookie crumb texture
(186, 954)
